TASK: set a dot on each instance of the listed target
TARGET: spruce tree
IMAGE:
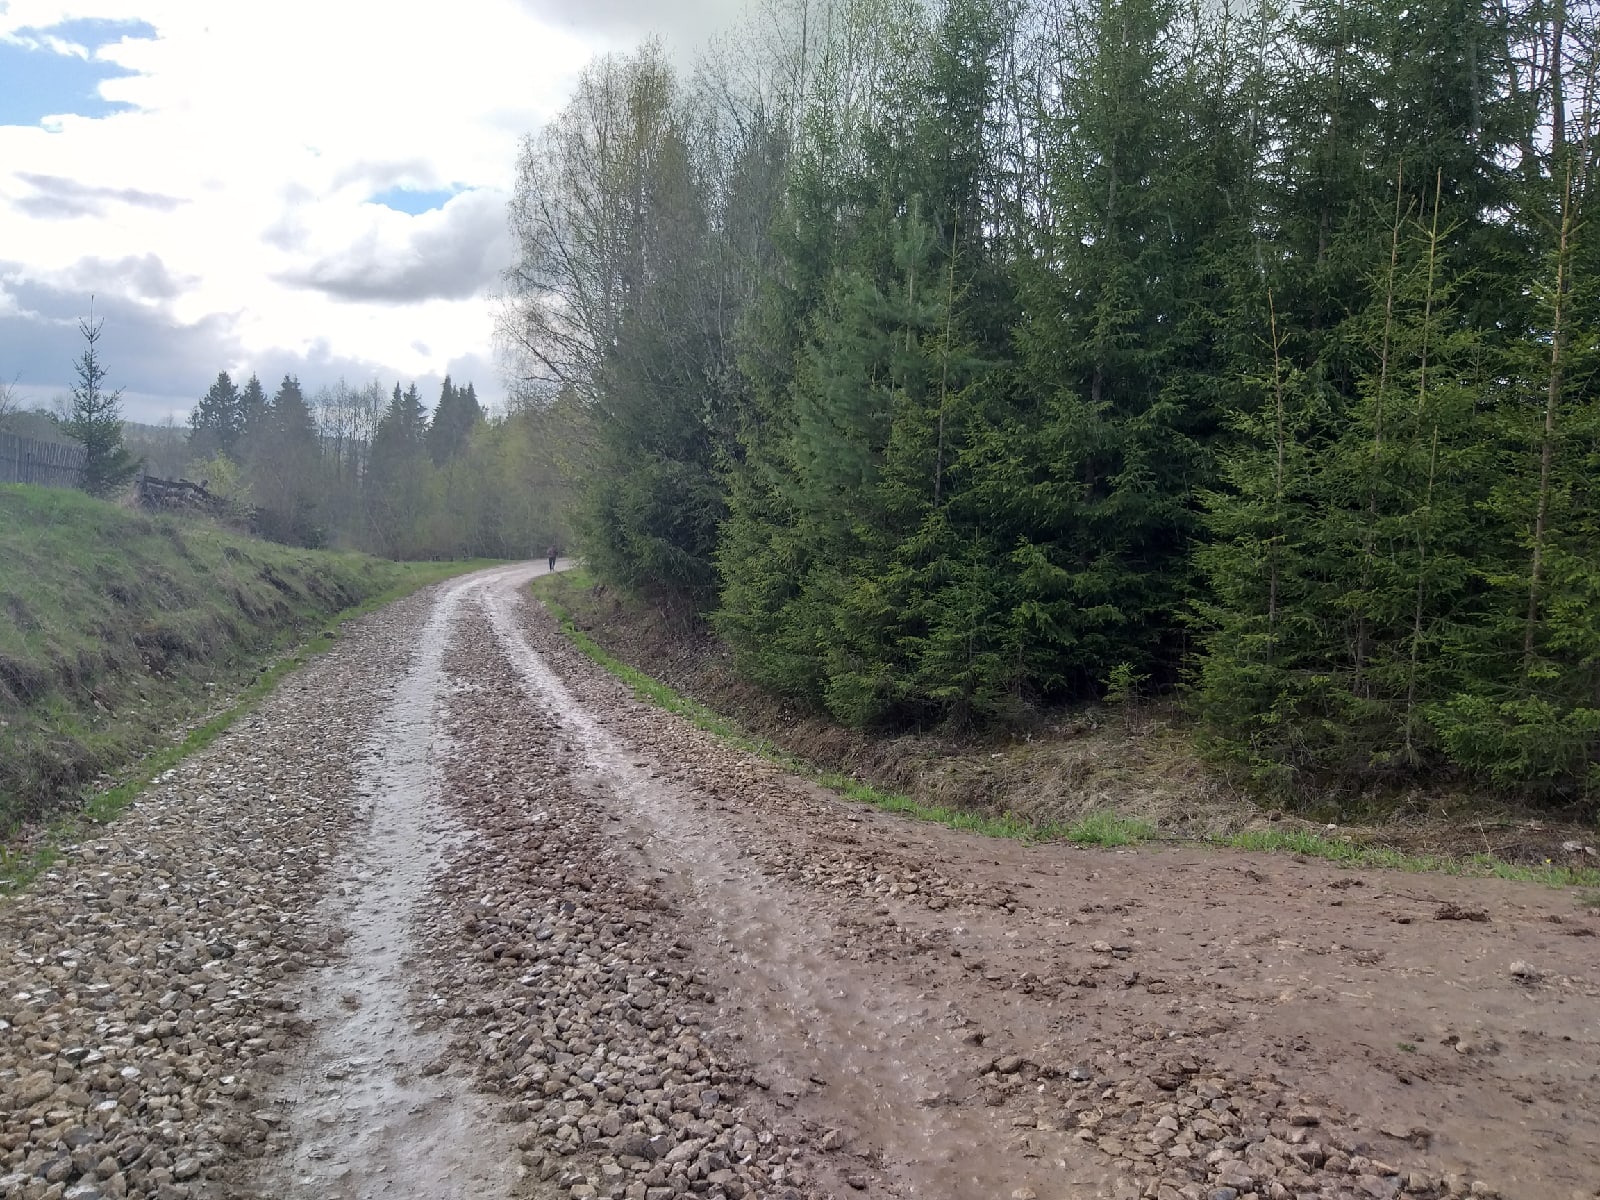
(1262, 673)
(1120, 375)
(456, 415)
(1528, 711)
(285, 468)
(215, 423)
(395, 487)
(253, 412)
(96, 420)
(289, 418)
(1359, 526)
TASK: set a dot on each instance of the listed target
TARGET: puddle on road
(881, 1052)
(365, 1121)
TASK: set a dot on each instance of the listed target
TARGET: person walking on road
(552, 558)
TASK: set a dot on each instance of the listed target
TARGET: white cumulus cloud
(229, 204)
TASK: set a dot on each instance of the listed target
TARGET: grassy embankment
(129, 641)
(565, 592)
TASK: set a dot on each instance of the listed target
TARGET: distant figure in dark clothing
(552, 558)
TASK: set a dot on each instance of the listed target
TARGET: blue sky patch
(41, 83)
(413, 201)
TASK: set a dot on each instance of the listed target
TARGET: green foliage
(252, 414)
(285, 461)
(983, 355)
(96, 420)
(458, 413)
(225, 480)
(395, 489)
(1123, 684)
(221, 476)
(1527, 710)
(369, 468)
(217, 421)
(1343, 561)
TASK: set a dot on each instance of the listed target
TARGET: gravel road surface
(452, 915)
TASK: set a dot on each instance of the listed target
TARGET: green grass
(19, 866)
(118, 628)
(1098, 830)
(1103, 829)
(1108, 829)
(1349, 853)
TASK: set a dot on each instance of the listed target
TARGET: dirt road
(454, 916)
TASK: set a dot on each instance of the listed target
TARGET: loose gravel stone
(150, 974)
(668, 971)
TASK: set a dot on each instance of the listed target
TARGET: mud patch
(1205, 1021)
(370, 1113)
(843, 1044)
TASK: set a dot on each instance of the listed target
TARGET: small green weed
(1123, 684)
(1108, 829)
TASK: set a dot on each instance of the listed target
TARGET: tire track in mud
(844, 1045)
(561, 970)
(369, 1113)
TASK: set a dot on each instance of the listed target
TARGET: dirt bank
(1136, 760)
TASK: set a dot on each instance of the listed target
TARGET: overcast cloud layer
(306, 187)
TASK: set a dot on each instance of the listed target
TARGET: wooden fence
(49, 464)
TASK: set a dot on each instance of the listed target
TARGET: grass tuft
(1108, 829)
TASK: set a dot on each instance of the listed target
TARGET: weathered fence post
(46, 464)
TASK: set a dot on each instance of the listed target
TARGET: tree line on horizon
(348, 467)
(381, 472)
(962, 356)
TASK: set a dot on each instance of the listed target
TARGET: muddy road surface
(452, 915)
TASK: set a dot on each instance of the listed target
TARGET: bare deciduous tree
(9, 402)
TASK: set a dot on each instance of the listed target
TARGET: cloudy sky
(306, 186)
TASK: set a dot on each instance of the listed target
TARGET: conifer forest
(958, 358)
(368, 467)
